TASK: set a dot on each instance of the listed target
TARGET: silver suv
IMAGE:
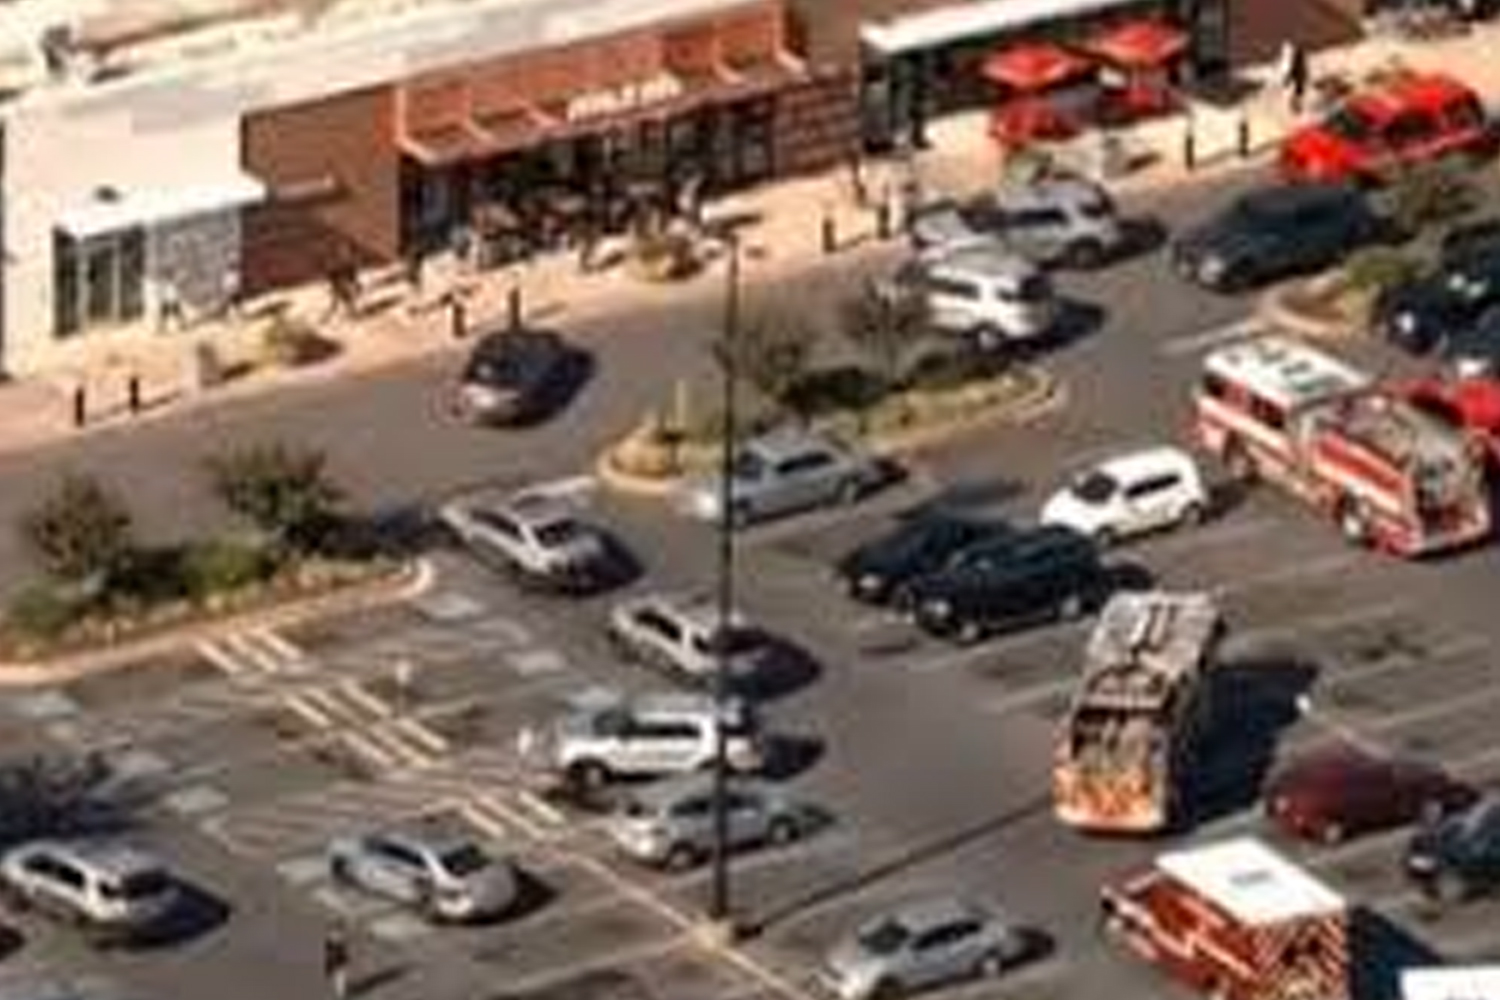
(1054, 220)
(982, 291)
(783, 473)
(671, 823)
(681, 633)
(114, 892)
(442, 874)
(608, 735)
(537, 536)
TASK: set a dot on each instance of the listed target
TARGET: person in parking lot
(1295, 74)
(336, 962)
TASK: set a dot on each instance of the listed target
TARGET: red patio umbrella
(1032, 67)
(1140, 44)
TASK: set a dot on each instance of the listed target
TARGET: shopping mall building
(155, 151)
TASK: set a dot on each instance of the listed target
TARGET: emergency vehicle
(1140, 711)
(1235, 920)
(1474, 982)
(1389, 474)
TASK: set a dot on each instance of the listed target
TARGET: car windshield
(883, 938)
(1033, 288)
(748, 466)
(137, 885)
(1095, 487)
(1349, 124)
(505, 360)
(560, 532)
(465, 859)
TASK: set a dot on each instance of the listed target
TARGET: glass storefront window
(98, 281)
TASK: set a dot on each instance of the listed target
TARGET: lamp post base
(717, 933)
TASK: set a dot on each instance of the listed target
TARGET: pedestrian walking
(231, 293)
(336, 962)
(1295, 75)
(415, 263)
(169, 306)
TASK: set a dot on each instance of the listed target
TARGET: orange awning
(1033, 67)
(1140, 44)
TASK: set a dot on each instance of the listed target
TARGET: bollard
(1189, 149)
(458, 318)
(80, 405)
(513, 305)
(404, 681)
(133, 394)
(830, 238)
(883, 228)
(1242, 136)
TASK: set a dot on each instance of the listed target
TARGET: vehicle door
(1410, 137)
(943, 952)
(806, 479)
(1314, 236)
(663, 746)
(57, 885)
(747, 817)
(693, 820)
(500, 536)
(658, 634)
(1151, 501)
(393, 869)
(953, 304)
(1039, 232)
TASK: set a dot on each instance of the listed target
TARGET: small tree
(886, 326)
(82, 533)
(771, 353)
(1430, 195)
(284, 492)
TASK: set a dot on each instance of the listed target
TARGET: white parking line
(998, 646)
(1205, 340)
(1327, 565)
(628, 955)
(1028, 698)
(1224, 531)
(1241, 641)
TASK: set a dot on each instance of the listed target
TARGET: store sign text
(624, 98)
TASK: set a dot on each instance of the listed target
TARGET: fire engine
(1389, 474)
(1235, 920)
(1139, 713)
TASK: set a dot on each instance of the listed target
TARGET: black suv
(1418, 315)
(1277, 231)
(1032, 575)
(1459, 855)
(512, 376)
(877, 570)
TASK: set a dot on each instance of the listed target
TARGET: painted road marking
(533, 662)
(43, 705)
(1203, 341)
(1242, 641)
(399, 927)
(1328, 565)
(1029, 698)
(449, 606)
(348, 904)
(1000, 645)
(196, 800)
(571, 487)
(139, 764)
(304, 870)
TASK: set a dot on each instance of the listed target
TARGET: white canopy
(1474, 982)
(114, 209)
(1251, 882)
(955, 23)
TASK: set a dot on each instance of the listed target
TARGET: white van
(987, 292)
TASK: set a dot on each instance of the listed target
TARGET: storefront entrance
(99, 281)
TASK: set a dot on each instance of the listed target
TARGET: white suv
(682, 634)
(610, 735)
(1130, 495)
(114, 892)
(984, 292)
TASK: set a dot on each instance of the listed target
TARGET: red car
(1414, 118)
(1472, 404)
(1329, 795)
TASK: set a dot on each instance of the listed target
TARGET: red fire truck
(1234, 920)
(1389, 474)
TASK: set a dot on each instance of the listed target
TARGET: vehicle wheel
(1071, 608)
(850, 492)
(1332, 833)
(1086, 255)
(782, 831)
(1354, 523)
(1240, 465)
(1449, 889)
(681, 857)
(589, 775)
(338, 870)
(970, 632)
(1195, 513)
(991, 965)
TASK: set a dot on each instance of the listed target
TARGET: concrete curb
(1277, 313)
(1048, 395)
(411, 580)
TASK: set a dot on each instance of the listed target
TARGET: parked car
(444, 875)
(537, 537)
(986, 294)
(1412, 119)
(1277, 231)
(611, 735)
(1477, 236)
(920, 945)
(876, 570)
(1458, 856)
(681, 633)
(781, 473)
(511, 375)
(1421, 314)
(1331, 794)
(1130, 495)
(1058, 219)
(1039, 574)
(116, 893)
(670, 823)
(1473, 351)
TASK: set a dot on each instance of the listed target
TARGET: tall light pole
(718, 906)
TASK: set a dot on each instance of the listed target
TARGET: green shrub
(289, 342)
(951, 369)
(217, 567)
(1374, 269)
(1430, 195)
(42, 611)
(283, 491)
(81, 533)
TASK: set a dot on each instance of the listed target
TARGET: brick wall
(309, 223)
(817, 123)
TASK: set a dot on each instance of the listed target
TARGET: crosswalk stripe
(221, 656)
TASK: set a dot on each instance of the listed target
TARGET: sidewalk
(781, 228)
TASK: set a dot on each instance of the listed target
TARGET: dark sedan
(1277, 231)
(1459, 856)
(878, 569)
(1418, 315)
(512, 376)
(1473, 351)
(1330, 795)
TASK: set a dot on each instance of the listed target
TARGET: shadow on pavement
(787, 669)
(1254, 700)
(198, 914)
(791, 754)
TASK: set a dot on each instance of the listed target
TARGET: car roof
(990, 259)
(694, 607)
(1406, 91)
(927, 912)
(1061, 189)
(1146, 461)
(508, 339)
(109, 859)
(431, 835)
(787, 443)
(671, 703)
(535, 509)
(1303, 194)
